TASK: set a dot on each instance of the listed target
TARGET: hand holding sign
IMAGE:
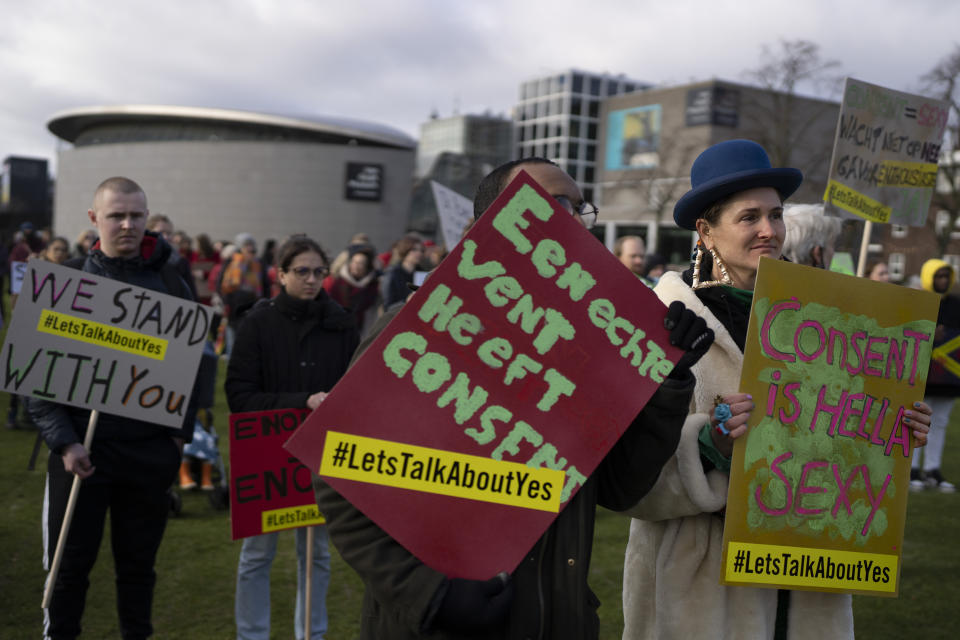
(76, 460)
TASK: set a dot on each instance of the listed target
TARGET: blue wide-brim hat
(727, 168)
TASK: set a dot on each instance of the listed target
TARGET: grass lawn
(197, 565)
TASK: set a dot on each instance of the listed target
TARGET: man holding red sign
(547, 596)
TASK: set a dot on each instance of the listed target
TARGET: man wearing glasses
(547, 596)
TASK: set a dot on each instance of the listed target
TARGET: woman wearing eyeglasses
(289, 352)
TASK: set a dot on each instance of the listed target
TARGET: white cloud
(394, 62)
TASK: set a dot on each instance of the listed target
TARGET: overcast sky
(395, 62)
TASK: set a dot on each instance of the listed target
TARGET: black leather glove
(470, 606)
(689, 332)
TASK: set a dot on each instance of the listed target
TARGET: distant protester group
(289, 321)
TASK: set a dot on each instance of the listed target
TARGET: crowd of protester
(281, 301)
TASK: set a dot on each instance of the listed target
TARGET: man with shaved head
(131, 463)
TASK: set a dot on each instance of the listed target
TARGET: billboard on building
(633, 138)
(717, 106)
(364, 181)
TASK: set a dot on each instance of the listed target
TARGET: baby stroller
(201, 458)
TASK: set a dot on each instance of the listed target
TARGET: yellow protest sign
(818, 487)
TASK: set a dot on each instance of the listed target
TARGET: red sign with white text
(270, 490)
(489, 400)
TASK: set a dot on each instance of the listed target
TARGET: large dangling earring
(725, 278)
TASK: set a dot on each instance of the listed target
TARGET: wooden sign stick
(68, 517)
(309, 579)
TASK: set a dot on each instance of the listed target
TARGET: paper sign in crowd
(488, 401)
(87, 341)
(885, 154)
(269, 489)
(454, 210)
(818, 488)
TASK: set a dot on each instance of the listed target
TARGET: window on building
(576, 106)
(595, 86)
(953, 260)
(675, 244)
(899, 231)
(520, 131)
(573, 149)
(588, 174)
(943, 219)
(591, 154)
(897, 264)
(594, 108)
(574, 127)
(592, 130)
(577, 86)
(628, 87)
(588, 194)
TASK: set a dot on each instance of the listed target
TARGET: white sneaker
(917, 485)
(935, 480)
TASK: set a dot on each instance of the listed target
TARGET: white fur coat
(671, 583)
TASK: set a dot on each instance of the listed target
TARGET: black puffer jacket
(288, 349)
(60, 424)
(552, 600)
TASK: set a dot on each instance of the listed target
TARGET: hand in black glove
(474, 605)
(689, 332)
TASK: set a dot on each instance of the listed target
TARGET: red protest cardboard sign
(269, 489)
(490, 399)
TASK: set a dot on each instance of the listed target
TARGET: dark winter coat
(60, 424)
(286, 350)
(552, 600)
(393, 285)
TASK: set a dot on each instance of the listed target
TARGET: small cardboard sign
(269, 489)
(818, 487)
(885, 154)
(455, 212)
(87, 341)
(945, 361)
(500, 386)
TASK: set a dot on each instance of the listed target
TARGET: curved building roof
(147, 123)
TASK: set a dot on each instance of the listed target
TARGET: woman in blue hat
(673, 559)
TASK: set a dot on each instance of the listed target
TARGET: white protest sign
(17, 271)
(87, 341)
(885, 154)
(455, 211)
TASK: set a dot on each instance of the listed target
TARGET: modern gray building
(558, 117)
(485, 136)
(649, 140)
(222, 172)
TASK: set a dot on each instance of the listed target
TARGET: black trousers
(131, 481)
